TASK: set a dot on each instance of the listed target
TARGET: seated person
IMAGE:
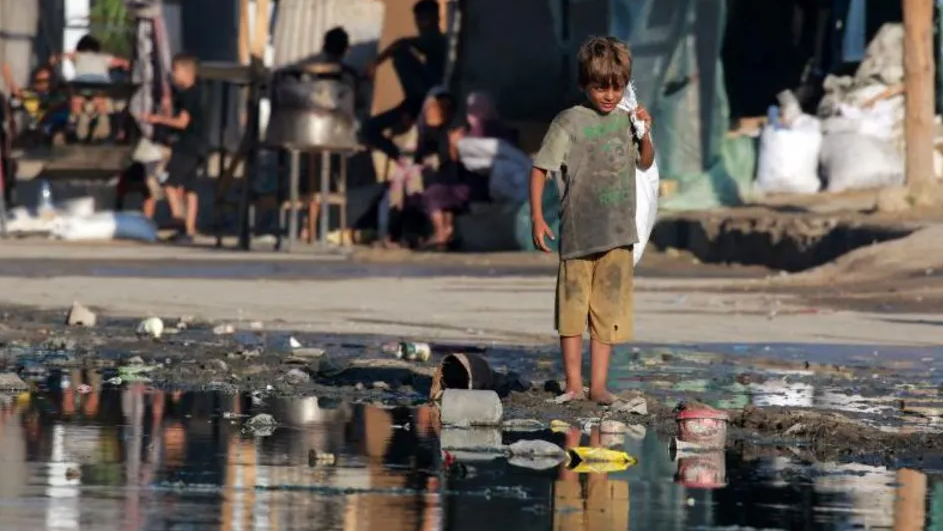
(482, 120)
(420, 65)
(448, 186)
(92, 66)
(44, 106)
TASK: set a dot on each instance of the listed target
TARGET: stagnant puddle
(139, 458)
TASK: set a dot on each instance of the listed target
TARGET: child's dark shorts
(182, 170)
(596, 289)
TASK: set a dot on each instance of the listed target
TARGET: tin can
(415, 351)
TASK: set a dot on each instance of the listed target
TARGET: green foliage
(111, 24)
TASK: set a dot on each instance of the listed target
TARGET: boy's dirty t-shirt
(596, 154)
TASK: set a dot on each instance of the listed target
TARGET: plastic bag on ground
(105, 226)
(852, 161)
(789, 158)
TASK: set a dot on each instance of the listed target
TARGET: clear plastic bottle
(44, 201)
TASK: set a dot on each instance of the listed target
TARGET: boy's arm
(646, 149)
(551, 157)
(181, 121)
(646, 152)
(8, 79)
(119, 62)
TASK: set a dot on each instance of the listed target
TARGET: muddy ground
(37, 345)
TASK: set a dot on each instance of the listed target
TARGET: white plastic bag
(646, 183)
(646, 208)
(105, 226)
(789, 158)
(852, 161)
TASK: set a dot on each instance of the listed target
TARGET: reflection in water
(137, 458)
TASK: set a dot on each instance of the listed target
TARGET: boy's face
(183, 74)
(427, 23)
(604, 98)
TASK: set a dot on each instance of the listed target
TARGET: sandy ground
(498, 308)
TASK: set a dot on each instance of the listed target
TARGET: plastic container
(702, 426)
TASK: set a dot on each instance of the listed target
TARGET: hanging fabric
(151, 60)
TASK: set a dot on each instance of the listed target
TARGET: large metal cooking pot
(312, 114)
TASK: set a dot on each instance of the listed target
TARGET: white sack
(789, 158)
(852, 161)
(646, 182)
(105, 226)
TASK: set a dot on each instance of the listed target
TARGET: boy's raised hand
(641, 112)
(540, 232)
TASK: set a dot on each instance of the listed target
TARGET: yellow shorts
(597, 289)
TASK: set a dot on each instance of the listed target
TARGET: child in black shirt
(188, 151)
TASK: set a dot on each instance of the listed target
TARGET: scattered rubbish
(465, 407)
(559, 426)
(586, 459)
(185, 321)
(261, 425)
(381, 386)
(216, 365)
(522, 425)
(316, 458)
(80, 316)
(474, 444)
(297, 377)
(256, 325)
(462, 371)
(10, 381)
(72, 474)
(306, 353)
(613, 427)
(115, 381)
(633, 406)
(701, 470)
(612, 440)
(535, 454)
(293, 343)
(702, 425)
(151, 327)
(134, 373)
(409, 351)
(224, 329)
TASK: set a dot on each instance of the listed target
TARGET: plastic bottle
(44, 201)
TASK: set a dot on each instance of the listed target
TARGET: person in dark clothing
(448, 186)
(420, 65)
(188, 151)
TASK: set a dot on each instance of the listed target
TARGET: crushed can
(409, 351)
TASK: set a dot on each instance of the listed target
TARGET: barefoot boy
(593, 145)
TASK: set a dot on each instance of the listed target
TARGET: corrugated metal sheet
(300, 26)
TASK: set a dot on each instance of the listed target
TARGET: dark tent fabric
(676, 45)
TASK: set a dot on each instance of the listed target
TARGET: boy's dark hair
(88, 43)
(426, 8)
(336, 41)
(186, 59)
(604, 61)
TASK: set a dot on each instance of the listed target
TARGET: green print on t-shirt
(619, 193)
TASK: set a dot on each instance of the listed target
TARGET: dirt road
(494, 303)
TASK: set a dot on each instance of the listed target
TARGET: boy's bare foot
(604, 397)
(568, 396)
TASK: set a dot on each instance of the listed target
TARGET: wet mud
(852, 403)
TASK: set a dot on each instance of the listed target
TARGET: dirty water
(140, 458)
